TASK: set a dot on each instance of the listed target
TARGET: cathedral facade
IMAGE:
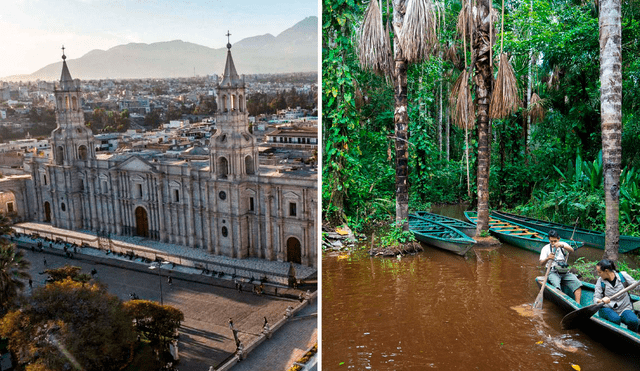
(227, 204)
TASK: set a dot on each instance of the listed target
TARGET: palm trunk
(483, 79)
(611, 116)
(401, 120)
(440, 121)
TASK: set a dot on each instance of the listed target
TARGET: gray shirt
(622, 302)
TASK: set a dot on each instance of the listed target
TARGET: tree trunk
(440, 121)
(483, 80)
(611, 116)
(401, 121)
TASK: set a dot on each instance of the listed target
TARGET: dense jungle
(542, 152)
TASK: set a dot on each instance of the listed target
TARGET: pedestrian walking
(170, 280)
(93, 272)
(45, 261)
(30, 283)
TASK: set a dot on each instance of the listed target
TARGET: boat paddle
(538, 303)
(572, 319)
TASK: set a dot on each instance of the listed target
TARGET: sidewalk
(222, 266)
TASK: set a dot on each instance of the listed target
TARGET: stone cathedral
(227, 204)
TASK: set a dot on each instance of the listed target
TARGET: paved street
(287, 345)
(205, 337)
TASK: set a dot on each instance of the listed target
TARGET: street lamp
(158, 265)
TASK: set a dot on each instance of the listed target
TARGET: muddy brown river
(437, 310)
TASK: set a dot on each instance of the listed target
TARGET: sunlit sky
(32, 32)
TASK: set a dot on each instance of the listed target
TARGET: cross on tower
(63, 56)
(228, 39)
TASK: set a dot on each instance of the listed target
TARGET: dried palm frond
(504, 99)
(374, 49)
(466, 24)
(451, 54)
(418, 34)
(536, 108)
(461, 103)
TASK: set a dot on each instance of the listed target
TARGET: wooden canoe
(518, 235)
(610, 334)
(589, 237)
(440, 235)
(461, 225)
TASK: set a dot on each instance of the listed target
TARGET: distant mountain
(293, 50)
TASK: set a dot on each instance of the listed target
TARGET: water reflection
(442, 311)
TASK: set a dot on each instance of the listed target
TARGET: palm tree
(13, 269)
(477, 24)
(484, 82)
(414, 29)
(611, 116)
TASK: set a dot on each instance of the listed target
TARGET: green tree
(414, 25)
(157, 323)
(66, 325)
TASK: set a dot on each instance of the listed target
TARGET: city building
(226, 202)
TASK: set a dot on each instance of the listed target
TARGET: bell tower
(71, 141)
(232, 148)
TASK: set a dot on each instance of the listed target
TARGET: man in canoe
(556, 253)
(610, 282)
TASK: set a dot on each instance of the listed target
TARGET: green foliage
(395, 236)
(340, 118)
(158, 323)
(67, 325)
(14, 270)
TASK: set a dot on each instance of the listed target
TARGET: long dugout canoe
(589, 237)
(465, 227)
(440, 235)
(518, 235)
(617, 336)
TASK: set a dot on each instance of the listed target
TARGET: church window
(63, 207)
(9, 207)
(74, 103)
(82, 153)
(223, 169)
(225, 232)
(82, 184)
(241, 103)
(251, 207)
(138, 190)
(59, 155)
(105, 187)
(233, 102)
(44, 178)
(292, 209)
(248, 164)
(176, 195)
(66, 101)
(222, 195)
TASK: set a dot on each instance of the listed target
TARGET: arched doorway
(142, 222)
(294, 252)
(47, 212)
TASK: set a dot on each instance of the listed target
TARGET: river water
(437, 310)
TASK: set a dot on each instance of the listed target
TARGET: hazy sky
(32, 32)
